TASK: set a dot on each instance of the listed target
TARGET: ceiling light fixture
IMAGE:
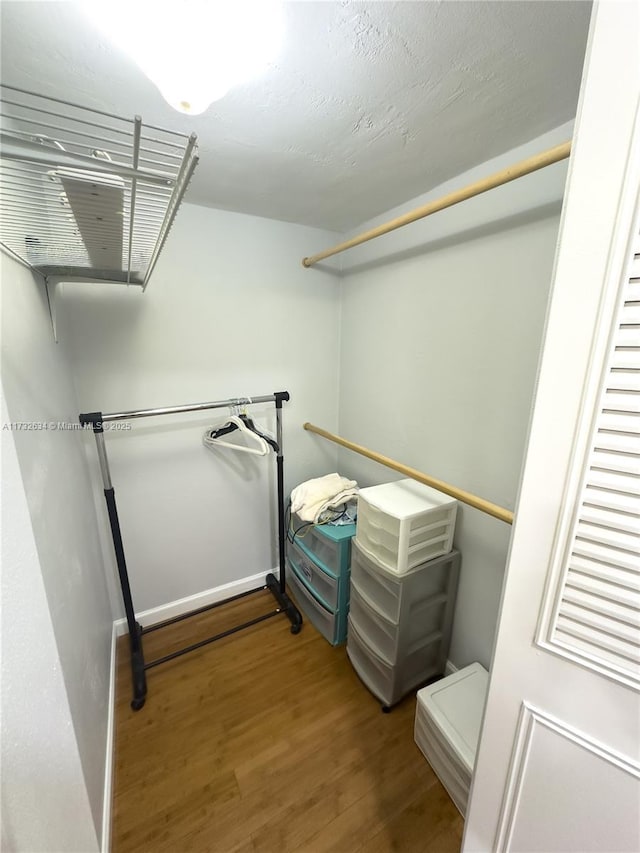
(197, 50)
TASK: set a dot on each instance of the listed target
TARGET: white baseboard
(192, 602)
(450, 668)
(105, 845)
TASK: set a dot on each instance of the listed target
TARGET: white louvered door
(596, 615)
(558, 765)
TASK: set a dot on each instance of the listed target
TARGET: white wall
(441, 329)
(38, 388)
(229, 312)
(44, 798)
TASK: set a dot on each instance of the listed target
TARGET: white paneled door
(558, 764)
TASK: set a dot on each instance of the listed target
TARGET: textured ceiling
(368, 105)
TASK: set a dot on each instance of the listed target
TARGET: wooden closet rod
(489, 508)
(518, 170)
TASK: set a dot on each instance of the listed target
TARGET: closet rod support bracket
(281, 396)
(93, 419)
(51, 286)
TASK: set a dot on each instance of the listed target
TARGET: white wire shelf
(84, 193)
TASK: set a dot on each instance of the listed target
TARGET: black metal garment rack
(275, 585)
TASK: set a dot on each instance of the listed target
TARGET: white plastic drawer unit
(391, 641)
(450, 771)
(395, 596)
(405, 523)
(447, 727)
(391, 682)
(324, 586)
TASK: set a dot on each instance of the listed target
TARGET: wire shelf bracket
(86, 195)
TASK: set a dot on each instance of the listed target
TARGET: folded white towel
(313, 497)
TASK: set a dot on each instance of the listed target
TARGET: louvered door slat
(625, 380)
(606, 608)
(627, 358)
(604, 479)
(606, 591)
(628, 336)
(597, 611)
(616, 538)
(612, 500)
(608, 518)
(620, 422)
(631, 315)
(604, 638)
(613, 461)
(617, 576)
(606, 554)
(596, 645)
(621, 401)
(620, 442)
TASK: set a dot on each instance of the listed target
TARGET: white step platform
(447, 727)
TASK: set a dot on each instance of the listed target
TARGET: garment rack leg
(135, 629)
(277, 586)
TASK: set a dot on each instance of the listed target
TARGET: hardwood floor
(265, 741)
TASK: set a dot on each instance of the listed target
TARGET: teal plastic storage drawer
(318, 561)
(323, 585)
(331, 625)
(327, 544)
(324, 549)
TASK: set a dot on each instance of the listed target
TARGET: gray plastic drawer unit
(400, 624)
(387, 638)
(398, 596)
(390, 682)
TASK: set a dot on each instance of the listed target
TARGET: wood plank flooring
(265, 741)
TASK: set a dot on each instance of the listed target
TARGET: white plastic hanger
(257, 445)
